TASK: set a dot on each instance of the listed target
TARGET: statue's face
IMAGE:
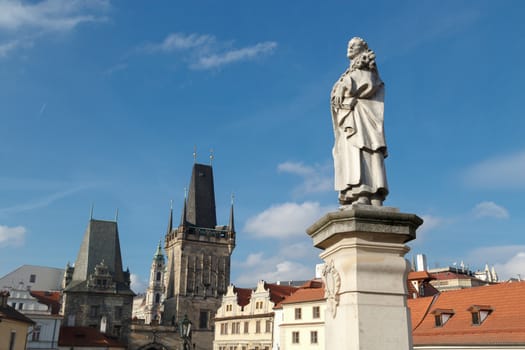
(354, 49)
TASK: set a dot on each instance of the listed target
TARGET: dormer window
(441, 316)
(479, 313)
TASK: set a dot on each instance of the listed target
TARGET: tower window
(158, 276)
(203, 319)
(157, 298)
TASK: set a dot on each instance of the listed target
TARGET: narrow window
(316, 312)
(313, 337)
(295, 337)
(268, 326)
(203, 319)
(476, 318)
(36, 333)
(246, 326)
(93, 311)
(258, 327)
(12, 340)
(298, 313)
(32, 278)
(118, 312)
(158, 276)
(157, 298)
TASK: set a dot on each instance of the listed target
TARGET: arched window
(158, 276)
(157, 298)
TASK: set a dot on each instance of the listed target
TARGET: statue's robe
(360, 146)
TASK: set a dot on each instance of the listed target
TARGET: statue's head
(356, 46)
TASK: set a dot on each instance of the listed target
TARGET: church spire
(183, 215)
(158, 253)
(170, 219)
(231, 224)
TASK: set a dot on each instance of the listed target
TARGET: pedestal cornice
(384, 223)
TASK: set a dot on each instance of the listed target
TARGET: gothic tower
(155, 292)
(198, 252)
(97, 291)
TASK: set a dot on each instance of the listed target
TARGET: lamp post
(185, 332)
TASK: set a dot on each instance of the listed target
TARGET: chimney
(4, 295)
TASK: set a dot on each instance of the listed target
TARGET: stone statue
(357, 104)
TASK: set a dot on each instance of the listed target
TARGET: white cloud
(44, 201)
(206, 52)
(430, 222)
(12, 236)
(220, 59)
(138, 285)
(315, 178)
(508, 260)
(272, 269)
(504, 172)
(512, 267)
(49, 14)
(285, 220)
(181, 41)
(8, 47)
(22, 22)
(490, 210)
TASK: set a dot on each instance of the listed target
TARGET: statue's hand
(337, 100)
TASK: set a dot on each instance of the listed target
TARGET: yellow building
(13, 326)
(245, 319)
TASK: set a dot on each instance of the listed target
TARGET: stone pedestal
(365, 274)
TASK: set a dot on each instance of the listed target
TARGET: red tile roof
(304, 295)
(505, 324)
(86, 336)
(51, 299)
(243, 295)
(419, 276)
(277, 293)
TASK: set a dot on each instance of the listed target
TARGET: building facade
(245, 320)
(303, 315)
(14, 326)
(42, 307)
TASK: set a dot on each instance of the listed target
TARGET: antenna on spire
(171, 204)
(194, 153)
(185, 192)
(116, 215)
(211, 156)
(91, 212)
(232, 198)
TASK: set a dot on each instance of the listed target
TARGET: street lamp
(185, 332)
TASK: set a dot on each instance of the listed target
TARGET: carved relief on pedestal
(332, 282)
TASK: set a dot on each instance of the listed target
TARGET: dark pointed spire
(170, 219)
(231, 224)
(201, 198)
(183, 215)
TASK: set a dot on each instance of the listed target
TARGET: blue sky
(103, 102)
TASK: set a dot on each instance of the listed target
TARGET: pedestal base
(365, 275)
